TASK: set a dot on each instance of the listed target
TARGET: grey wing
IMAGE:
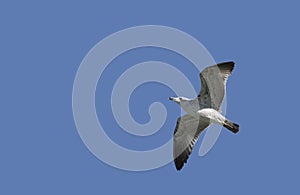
(213, 84)
(186, 134)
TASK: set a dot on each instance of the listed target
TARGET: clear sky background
(43, 43)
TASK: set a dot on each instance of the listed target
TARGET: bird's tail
(233, 127)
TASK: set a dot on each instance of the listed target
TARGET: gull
(202, 111)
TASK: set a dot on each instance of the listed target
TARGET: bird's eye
(180, 98)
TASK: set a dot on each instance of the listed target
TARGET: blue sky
(43, 44)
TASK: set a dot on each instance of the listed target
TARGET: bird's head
(178, 100)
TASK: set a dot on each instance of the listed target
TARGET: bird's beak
(174, 99)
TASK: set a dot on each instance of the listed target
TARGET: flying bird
(202, 111)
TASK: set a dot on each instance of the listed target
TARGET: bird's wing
(186, 134)
(213, 84)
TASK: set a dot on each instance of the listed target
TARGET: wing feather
(186, 134)
(213, 84)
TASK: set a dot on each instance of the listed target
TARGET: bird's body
(201, 111)
(213, 115)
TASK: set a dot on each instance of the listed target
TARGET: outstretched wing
(186, 134)
(213, 84)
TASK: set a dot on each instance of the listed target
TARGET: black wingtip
(226, 64)
(182, 159)
(178, 164)
(178, 168)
